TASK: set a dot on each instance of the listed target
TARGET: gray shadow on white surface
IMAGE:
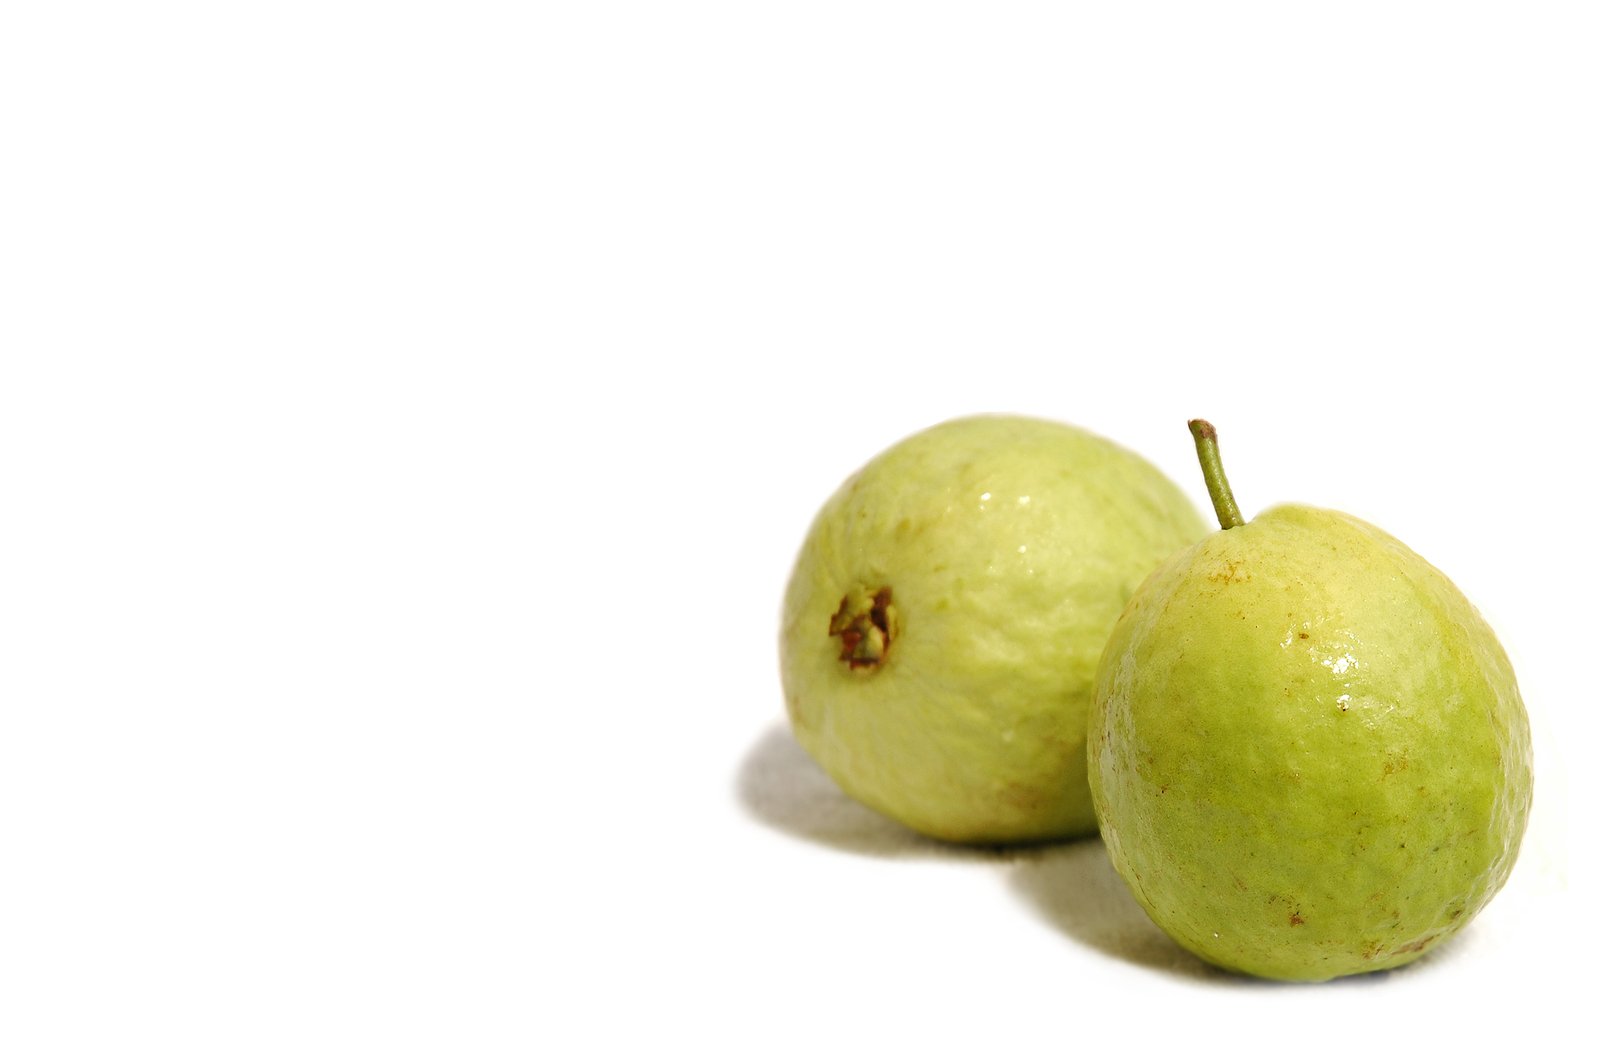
(1075, 889)
(781, 786)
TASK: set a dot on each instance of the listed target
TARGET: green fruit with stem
(1307, 751)
(943, 621)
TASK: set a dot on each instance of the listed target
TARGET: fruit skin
(1308, 752)
(1008, 546)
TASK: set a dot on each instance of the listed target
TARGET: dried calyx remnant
(866, 625)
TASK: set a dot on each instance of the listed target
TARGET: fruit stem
(1221, 495)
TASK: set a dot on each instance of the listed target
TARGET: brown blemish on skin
(1415, 946)
(1290, 905)
(1023, 797)
(1231, 575)
(1304, 634)
(1393, 765)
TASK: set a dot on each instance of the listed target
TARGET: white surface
(410, 413)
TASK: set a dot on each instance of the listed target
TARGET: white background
(410, 412)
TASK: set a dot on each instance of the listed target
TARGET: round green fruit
(947, 610)
(1308, 754)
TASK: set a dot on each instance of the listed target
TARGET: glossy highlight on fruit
(1308, 752)
(945, 615)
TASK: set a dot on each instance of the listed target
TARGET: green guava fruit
(1308, 754)
(944, 618)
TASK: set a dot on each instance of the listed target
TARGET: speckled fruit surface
(1308, 753)
(946, 613)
